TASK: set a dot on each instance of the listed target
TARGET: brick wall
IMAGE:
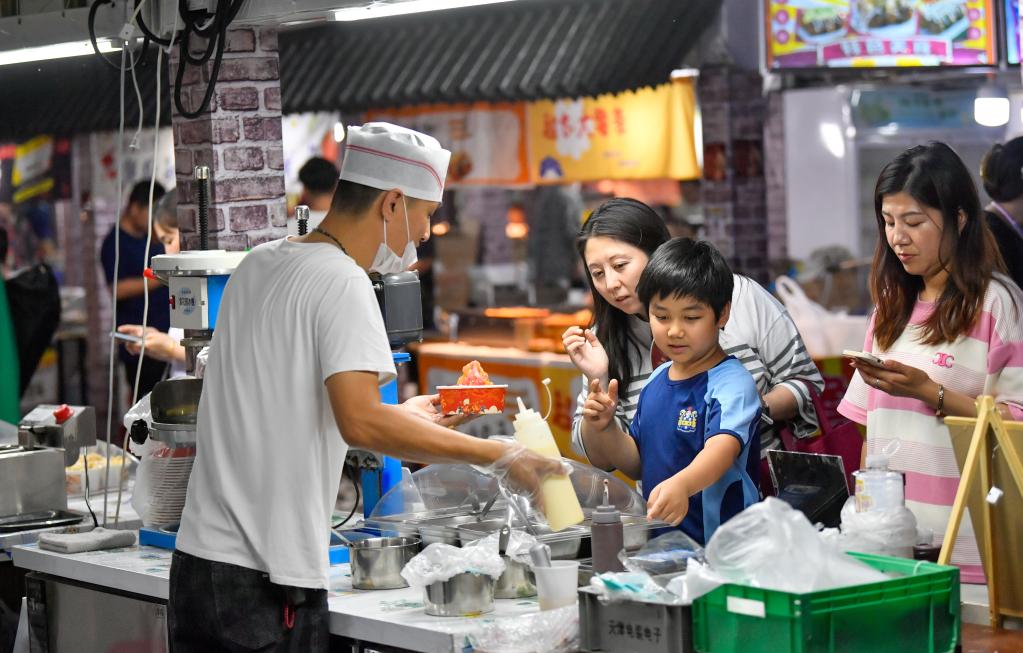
(774, 172)
(733, 189)
(239, 139)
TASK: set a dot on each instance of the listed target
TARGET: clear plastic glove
(586, 352)
(523, 471)
(428, 407)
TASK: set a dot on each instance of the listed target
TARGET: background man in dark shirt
(132, 231)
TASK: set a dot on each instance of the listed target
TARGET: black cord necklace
(331, 236)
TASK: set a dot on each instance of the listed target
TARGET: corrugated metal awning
(76, 95)
(516, 51)
(522, 50)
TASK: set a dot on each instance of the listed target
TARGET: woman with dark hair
(615, 245)
(946, 324)
(1002, 173)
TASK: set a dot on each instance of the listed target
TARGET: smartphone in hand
(864, 357)
(126, 337)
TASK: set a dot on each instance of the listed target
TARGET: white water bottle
(877, 487)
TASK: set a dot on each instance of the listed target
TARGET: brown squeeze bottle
(606, 536)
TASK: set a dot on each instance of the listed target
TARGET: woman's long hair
(936, 177)
(634, 223)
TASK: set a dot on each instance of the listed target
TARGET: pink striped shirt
(988, 360)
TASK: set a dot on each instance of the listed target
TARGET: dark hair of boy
(318, 175)
(937, 178)
(683, 267)
(634, 223)
(139, 195)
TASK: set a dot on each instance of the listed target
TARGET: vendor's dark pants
(216, 606)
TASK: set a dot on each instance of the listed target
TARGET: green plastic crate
(917, 612)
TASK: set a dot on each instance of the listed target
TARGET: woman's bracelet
(940, 408)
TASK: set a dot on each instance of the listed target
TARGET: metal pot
(463, 595)
(377, 562)
(517, 581)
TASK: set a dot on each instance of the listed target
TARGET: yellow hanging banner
(644, 134)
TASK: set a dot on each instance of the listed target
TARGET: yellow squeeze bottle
(560, 502)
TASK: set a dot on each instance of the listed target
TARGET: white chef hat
(385, 156)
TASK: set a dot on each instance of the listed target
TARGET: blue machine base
(338, 553)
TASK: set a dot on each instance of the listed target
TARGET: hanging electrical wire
(215, 31)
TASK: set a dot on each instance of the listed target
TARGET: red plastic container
(471, 399)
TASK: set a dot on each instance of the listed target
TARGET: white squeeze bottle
(877, 487)
(559, 500)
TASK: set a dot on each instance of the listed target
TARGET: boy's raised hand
(669, 502)
(586, 352)
(599, 408)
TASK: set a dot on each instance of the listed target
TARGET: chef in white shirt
(292, 381)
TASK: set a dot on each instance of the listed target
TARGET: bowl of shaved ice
(474, 394)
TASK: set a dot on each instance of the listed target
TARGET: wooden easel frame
(978, 464)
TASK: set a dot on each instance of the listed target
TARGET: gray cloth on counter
(94, 540)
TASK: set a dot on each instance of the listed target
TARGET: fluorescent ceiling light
(382, 9)
(56, 51)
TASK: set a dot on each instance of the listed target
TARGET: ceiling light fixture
(56, 51)
(383, 9)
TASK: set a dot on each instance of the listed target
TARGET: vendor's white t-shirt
(269, 454)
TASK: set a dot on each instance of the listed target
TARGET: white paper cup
(556, 585)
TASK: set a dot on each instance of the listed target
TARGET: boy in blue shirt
(693, 441)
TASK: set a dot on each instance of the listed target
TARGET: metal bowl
(517, 581)
(463, 595)
(176, 401)
(377, 562)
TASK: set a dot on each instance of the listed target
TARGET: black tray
(39, 519)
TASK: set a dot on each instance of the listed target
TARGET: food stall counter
(392, 618)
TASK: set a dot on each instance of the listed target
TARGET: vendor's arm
(669, 501)
(607, 445)
(366, 423)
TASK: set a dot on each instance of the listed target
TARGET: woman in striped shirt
(947, 326)
(615, 244)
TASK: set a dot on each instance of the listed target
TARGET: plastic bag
(890, 532)
(519, 543)
(666, 554)
(440, 562)
(549, 631)
(698, 580)
(632, 586)
(825, 333)
(773, 546)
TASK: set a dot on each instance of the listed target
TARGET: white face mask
(386, 261)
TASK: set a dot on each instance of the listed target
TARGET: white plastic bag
(773, 546)
(825, 333)
(440, 562)
(519, 543)
(890, 532)
(162, 477)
